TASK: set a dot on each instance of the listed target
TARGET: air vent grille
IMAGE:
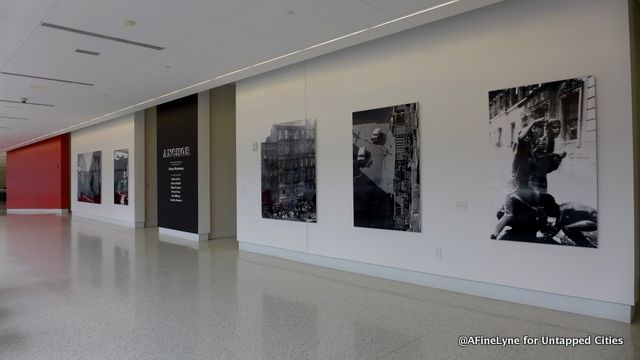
(47, 78)
(25, 103)
(87, 52)
(102, 36)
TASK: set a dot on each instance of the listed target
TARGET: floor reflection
(89, 250)
(80, 289)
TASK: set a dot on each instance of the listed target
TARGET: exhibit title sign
(178, 164)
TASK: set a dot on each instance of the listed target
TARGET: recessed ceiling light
(38, 87)
(290, 12)
(129, 22)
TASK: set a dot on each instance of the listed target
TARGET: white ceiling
(202, 39)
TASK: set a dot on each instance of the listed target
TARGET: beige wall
(151, 175)
(223, 161)
(634, 15)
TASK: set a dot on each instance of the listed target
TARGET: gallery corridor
(72, 289)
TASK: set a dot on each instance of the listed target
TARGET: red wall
(38, 175)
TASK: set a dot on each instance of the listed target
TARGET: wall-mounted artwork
(121, 177)
(543, 165)
(288, 162)
(177, 164)
(90, 177)
(386, 168)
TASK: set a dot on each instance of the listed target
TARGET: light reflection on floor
(84, 290)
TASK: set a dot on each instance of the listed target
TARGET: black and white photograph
(288, 163)
(543, 166)
(386, 168)
(90, 177)
(121, 177)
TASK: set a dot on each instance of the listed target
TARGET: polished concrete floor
(84, 290)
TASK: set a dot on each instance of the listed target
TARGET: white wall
(449, 67)
(106, 137)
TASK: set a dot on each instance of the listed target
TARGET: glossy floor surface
(84, 290)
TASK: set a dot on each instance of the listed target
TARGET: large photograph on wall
(121, 177)
(386, 168)
(288, 164)
(90, 177)
(543, 166)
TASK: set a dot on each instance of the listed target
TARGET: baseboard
(222, 234)
(125, 223)
(37, 211)
(184, 234)
(576, 305)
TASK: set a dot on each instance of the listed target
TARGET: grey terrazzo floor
(85, 290)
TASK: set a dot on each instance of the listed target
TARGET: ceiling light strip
(102, 36)
(70, 128)
(48, 79)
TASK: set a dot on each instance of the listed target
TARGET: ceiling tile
(145, 85)
(59, 45)
(157, 22)
(225, 44)
(14, 33)
(203, 39)
(448, 11)
(403, 7)
(179, 67)
(4, 58)
(313, 22)
(45, 92)
(32, 65)
(25, 10)
(215, 9)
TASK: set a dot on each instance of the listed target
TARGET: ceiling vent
(87, 52)
(13, 117)
(25, 103)
(47, 78)
(102, 36)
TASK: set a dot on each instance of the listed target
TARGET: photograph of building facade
(121, 177)
(386, 168)
(543, 162)
(90, 177)
(288, 162)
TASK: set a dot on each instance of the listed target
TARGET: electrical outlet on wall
(438, 253)
(255, 146)
(461, 205)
